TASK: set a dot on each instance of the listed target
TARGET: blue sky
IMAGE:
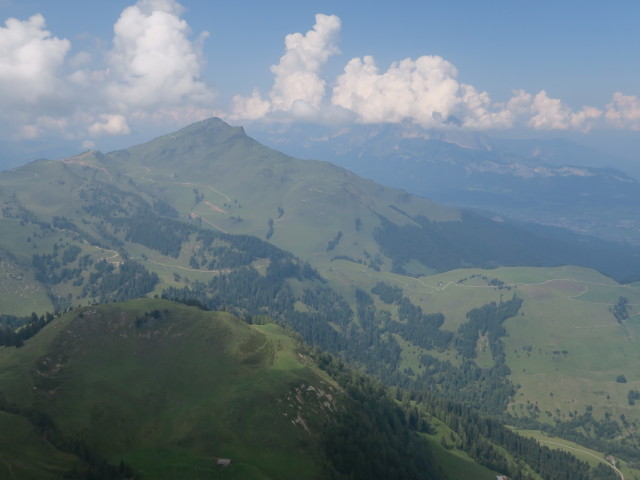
(77, 75)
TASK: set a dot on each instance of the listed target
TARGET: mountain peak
(211, 131)
(211, 124)
(193, 146)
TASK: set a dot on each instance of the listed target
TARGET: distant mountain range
(550, 182)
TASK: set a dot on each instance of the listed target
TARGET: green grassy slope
(244, 184)
(20, 292)
(26, 455)
(565, 349)
(228, 181)
(170, 395)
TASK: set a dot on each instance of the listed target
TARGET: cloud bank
(153, 64)
(624, 111)
(32, 92)
(30, 61)
(298, 90)
(152, 72)
(423, 91)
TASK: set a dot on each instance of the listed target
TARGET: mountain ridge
(281, 172)
(213, 175)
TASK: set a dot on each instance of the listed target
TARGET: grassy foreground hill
(162, 390)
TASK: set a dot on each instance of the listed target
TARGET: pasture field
(565, 349)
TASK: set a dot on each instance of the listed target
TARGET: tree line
(15, 330)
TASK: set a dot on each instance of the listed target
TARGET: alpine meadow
(314, 269)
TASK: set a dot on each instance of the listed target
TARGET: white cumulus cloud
(297, 75)
(153, 63)
(153, 74)
(110, 125)
(30, 63)
(553, 114)
(424, 91)
(250, 108)
(624, 111)
(298, 88)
